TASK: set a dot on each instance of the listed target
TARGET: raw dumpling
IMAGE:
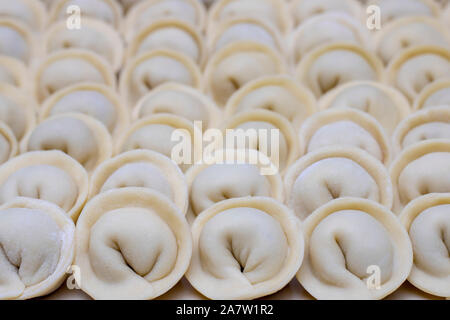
(153, 68)
(384, 103)
(421, 169)
(237, 64)
(435, 94)
(345, 127)
(80, 136)
(95, 36)
(131, 243)
(280, 94)
(335, 172)
(391, 10)
(407, 32)
(171, 34)
(14, 73)
(92, 99)
(65, 68)
(30, 12)
(37, 239)
(144, 169)
(265, 131)
(16, 40)
(427, 220)
(46, 175)
(8, 143)
(325, 29)
(355, 249)
(319, 71)
(220, 180)
(180, 100)
(233, 256)
(433, 123)
(416, 67)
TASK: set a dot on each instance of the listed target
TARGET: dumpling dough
(273, 12)
(131, 243)
(416, 67)
(16, 40)
(392, 10)
(46, 175)
(14, 73)
(216, 181)
(233, 258)
(145, 169)
(180, 100)
(30, 12)
(433, 123)
(37, 248)
(345, 127)
(8, 143)
(256, 129)
(335, 172)
(92, 99)
(281, 94)
(387, 105)
(16, 111)
(151, 69)
(319, 71)
(148, 11)
(421, 169)
(304, 9)
(350, 244)
(237, 64)
(94, 36)
(427, 220)
(108, 11)
(163, 133)
(171, 34)
(82, 137)
(325, 29)
(435, 94)
(65, 68)
(407, 32)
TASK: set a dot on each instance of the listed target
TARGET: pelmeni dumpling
(180, 100)
(96, 100)
(149, 11)
(446, 16)
(265, 131)
(153, 68)
(109, 11)
(273, 12)
(95, 36)
(16, 111)
(391, 10)
(233, 256)
(172, 34)
(319, 71)
(435, 94)
(325, 29)
(38, 243)
(8, 143)
(335, 172)
(14, 73)
(144, 169)
(427, 220)
(16, 40)
(80, 136)
(46, 175)
(280, 94)
(67, 67)
(407, 32)
(244, 29)
(384, 103)
(131, 243)
(30, 12)
(304, 9)
(416, 67)
(220, 179)
(233, 66)
(355, 249)
(345, 127)
(127, 4)
(421, 169)
(432, 123)
(167, 134)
